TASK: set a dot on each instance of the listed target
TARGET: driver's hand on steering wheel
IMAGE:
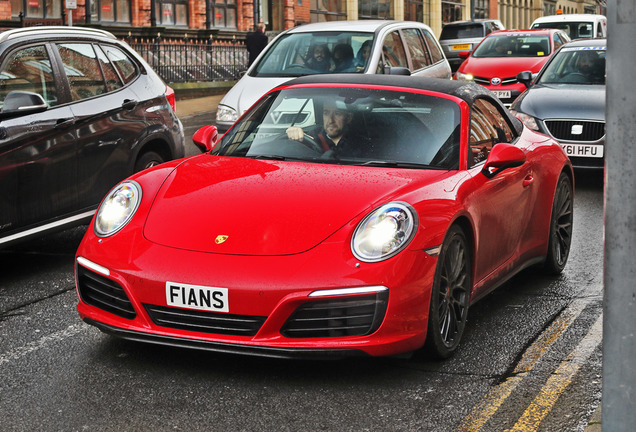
(295, 133)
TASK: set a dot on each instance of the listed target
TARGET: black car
(567, 101)
(79, 111)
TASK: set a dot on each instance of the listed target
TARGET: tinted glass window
(487, 128)
(120, 60)
(433, 47)
(29, 69)
(514, 45)
(82, 70)
(576, 65)
(112, 79)
(393, 51)
(417, 48)
(462, 31)
(349, 126)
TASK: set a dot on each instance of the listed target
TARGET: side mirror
(397, 70)
(206, 138)
(525, 78)
(501, 157)
(463, 54)
(20, 102)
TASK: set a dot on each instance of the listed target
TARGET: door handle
(64, 123)
(528, 181)
(129, 104)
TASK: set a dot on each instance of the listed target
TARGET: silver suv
(464, 36)
(356, 47)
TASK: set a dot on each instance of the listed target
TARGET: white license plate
(502, 94)
(583, 150)
(197, 297)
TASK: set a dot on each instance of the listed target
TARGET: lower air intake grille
(356, 316)
(573, 130)
(103, 293)
(204, 322)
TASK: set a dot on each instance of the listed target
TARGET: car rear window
(462, 31)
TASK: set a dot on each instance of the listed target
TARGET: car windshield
(515, 45)
(356, 126)
(464, 31)
(576, 65)
(575, 30)
(300, 54)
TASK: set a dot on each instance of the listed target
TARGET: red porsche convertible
(339, 216)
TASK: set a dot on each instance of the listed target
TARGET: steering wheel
(308, 141)
(575, 77)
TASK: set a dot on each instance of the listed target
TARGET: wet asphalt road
(58, 374)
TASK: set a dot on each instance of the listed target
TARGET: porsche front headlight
(384, 232)
(118, 208)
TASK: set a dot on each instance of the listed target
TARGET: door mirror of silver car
(501, 157)
(206, 138)
(397, 70)
(18, 103)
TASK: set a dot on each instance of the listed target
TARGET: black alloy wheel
(450, 295)
(561, 223)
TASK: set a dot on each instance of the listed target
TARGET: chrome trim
(47, 226)
(348, 291)
(91, 265)
(434, 251)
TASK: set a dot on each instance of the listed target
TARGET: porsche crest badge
(220, 239)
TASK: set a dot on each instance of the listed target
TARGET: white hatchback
(368, 47)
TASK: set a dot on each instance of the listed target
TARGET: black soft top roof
(468, 91)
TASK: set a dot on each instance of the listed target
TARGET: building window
(375, 9)
(171, 12)
(482, 9)
(110, 11)
(327, 10)
(224, 13)
(452, 11)
(36, 8)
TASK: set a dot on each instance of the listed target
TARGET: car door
(107, 117)
(501, 203)
(38, 172)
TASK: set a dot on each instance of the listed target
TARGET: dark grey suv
(79, 111)
(465, 36)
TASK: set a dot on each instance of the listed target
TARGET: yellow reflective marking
(560, 380)
(497, 395)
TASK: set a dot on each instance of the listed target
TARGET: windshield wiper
(267, 157)
(394, 164)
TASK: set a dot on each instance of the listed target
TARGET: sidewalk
(190, 107)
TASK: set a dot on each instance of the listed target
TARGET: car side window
(433, 47)
(417, 48)
(487, 128)
(393, 53)
(113, 82)
(122, 63)
(82, 70)
(29, 69)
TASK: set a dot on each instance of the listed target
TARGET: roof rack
(59, 30)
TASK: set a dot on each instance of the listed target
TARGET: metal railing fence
(190, 62)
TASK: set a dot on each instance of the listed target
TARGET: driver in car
(335, 135)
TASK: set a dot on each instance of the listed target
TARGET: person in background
(363, 55)
(319, 58)
(256, 42)
(343, 58)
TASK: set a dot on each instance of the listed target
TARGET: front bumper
(271, 294)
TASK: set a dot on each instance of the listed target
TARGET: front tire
(450, 295)
(148, 160)
(560, 227)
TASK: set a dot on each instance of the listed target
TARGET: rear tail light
(171, 98)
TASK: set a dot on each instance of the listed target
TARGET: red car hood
(502, 67)
(256, 207)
